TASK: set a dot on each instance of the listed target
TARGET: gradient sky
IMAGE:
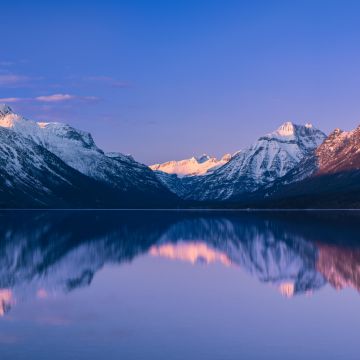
(167, 79)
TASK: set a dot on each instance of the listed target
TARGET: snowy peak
(277, 152)
(59, 130)
(7, 116)
(291, 131)
(226, 157)
(5, 110)
(286, 129)
(201, 159)
(47, 134)
(289, 128)
(200, 165)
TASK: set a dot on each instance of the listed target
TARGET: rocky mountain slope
(340, 152)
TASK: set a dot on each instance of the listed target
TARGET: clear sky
(168, 79)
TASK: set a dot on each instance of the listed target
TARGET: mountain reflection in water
(42, 253)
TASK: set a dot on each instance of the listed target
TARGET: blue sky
(168, 79)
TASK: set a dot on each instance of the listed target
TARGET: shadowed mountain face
(43, 252)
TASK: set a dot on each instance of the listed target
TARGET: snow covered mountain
(271, 157)
(130, 180)
(31, 176)
(201, 165)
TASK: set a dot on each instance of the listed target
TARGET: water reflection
(42, 253)
(340, 266)
(192, 252)
(6, 298)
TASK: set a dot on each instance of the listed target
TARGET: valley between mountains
(53, 165)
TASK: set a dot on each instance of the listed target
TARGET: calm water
(172, 285)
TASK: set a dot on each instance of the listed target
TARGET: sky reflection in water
(179, 285)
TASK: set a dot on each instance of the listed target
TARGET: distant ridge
(201, 165)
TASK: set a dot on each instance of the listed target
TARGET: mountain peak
(286, 129)
(289, 129)
(5, 110)
(201, 159)
(335, 133)
(226, 157)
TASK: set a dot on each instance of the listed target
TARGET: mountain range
(48, 164)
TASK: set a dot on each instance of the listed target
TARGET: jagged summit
(291, 130)
(5, 110)
(286, 129)
(227, 157)
(336, 132)
(51, 135)
(202, 158)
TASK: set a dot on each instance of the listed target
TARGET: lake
(179, 285)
